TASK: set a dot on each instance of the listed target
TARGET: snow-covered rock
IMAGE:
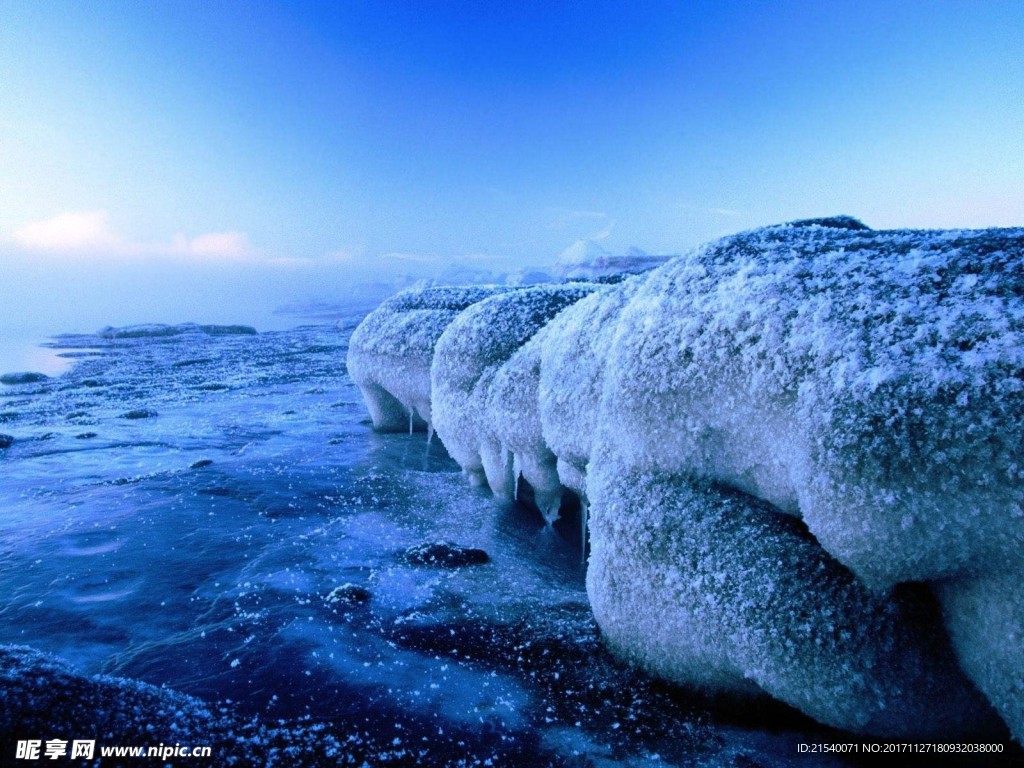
(870, 383)
(467, 359)
(390, 353)
(157, 330)
(985, 619)
(572, 374)
(709, 587)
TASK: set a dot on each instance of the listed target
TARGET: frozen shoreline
(202, 549)
(864, 383)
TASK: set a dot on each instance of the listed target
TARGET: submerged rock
(348, 594)
(6, 441)
(139, 413)
(228, 330)
(445, 555)
(24, 377)
(200, 464)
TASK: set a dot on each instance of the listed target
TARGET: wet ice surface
(196, 545)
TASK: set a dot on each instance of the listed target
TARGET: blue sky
(288, 150)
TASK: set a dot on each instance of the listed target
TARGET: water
(196, 548)
(28, 354)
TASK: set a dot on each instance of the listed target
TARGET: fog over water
(81, 295)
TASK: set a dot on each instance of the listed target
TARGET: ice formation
(467, 359)
(390, 353)
(868, 382)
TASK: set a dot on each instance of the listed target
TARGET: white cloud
(705, 209)
(223, 244)
(71, 231)
(90, 233)
(416, 258)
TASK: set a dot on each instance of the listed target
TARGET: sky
(211, 161)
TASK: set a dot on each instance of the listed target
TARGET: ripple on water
(92, 543)
(107, 587)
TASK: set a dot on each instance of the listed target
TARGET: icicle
(430, 432)
(584, 514)
(517, 473)
(410, 419)
(550, 505)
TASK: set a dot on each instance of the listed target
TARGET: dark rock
(190, 362)
(91, 383)
(85, 436)
(445, 555)
(228, 330)
(79, 355)
(6, 441)
(25, 377)
(139, 413)
(216, 491)
(200, 464)
(348, 594)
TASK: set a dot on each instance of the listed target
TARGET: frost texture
(706, 586)
(870, 383)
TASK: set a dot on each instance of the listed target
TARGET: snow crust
(775, 434)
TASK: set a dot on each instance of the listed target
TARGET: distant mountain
(586, 259)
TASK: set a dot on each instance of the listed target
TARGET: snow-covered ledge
(801, 447)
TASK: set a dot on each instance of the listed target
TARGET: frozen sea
(196, 547)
